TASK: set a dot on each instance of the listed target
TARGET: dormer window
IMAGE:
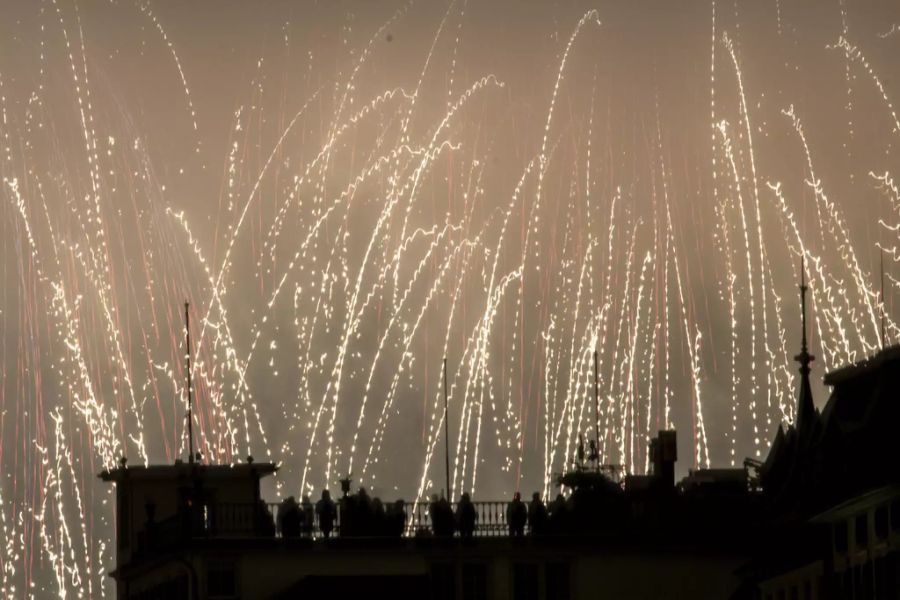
(840, 537)
(881, 522)
(862, 530)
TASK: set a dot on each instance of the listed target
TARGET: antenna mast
(447, 436)
(190, 416)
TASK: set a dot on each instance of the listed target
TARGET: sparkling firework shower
(348, 194)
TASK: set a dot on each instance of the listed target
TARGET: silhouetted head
(326, 495)
(536, 496)
(517, 497)
(306, 498)
(434, 498)
(464, 497)
(362, 492)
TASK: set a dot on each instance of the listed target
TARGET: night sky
(348, 192)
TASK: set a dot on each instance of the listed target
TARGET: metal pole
(883, 307)
(190, 416)
(447, 437)
(597, 404)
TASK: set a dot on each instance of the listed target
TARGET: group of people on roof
(361, 515)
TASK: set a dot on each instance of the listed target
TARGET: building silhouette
(819, 518)
(832, 484)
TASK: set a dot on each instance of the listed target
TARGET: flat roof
(183, 469)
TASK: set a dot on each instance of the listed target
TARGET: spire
(806, 410)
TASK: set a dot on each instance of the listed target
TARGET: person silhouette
(516, 516)
(379, 518)
(264, 522)
(327, 512)
(441, 514)
(559, 514)
(396, 518)
(580, 450)
(594, 453)
(289, 518)
(363, 513)
(537, 515)
(308, 516)
(466, 516)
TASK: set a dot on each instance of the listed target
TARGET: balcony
(261, 521)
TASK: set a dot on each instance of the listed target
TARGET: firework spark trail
(839, 231)
(100, 260)
(99, 257)
(470, 362)
(629, 421)
(479, 353)
(817, 278)
(739, 201)
(854, 53)
(144, 6)
(603, 316)
(408, 334)
(762, 258)
(533, 220)
(381, 426)
(614, 417)
(892, 31)
(346, 194)
(427, 160)
(724, 239)
(437, 416)
(429, 153)
(405, 136)
(701, 444)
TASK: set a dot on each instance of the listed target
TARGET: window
(559, 584)
(443, 581)
(862, 530)
(173, 589)
(868, 578)
(840, 537)
(124, 517)
(474, 581)
(881, 522)
(221, 579)
(525, 581)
